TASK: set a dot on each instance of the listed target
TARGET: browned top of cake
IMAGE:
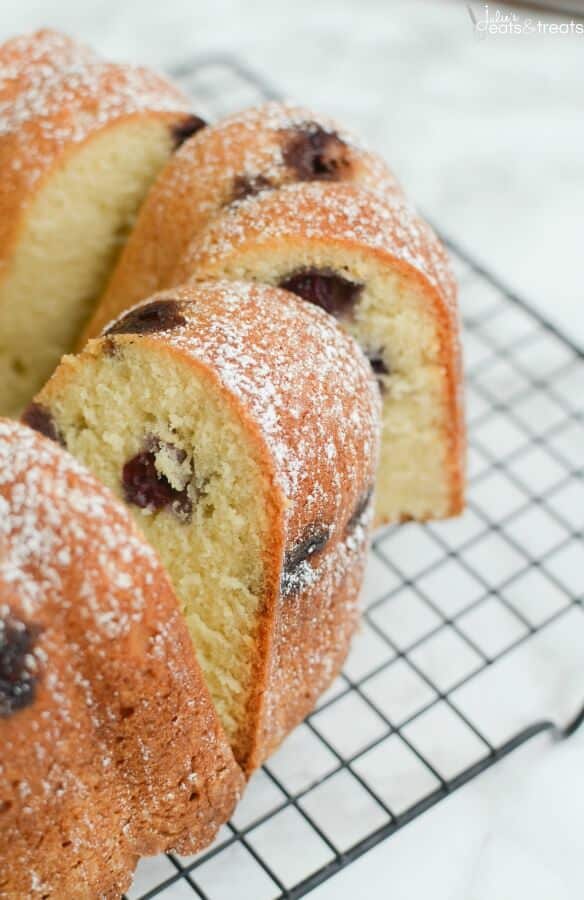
(56, 93)
(272, 144)
(346, 215)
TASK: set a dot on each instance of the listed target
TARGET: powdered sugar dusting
(346, 554)
(54, 92)
(279, 116)
(349, 216)
(251, 143)
(248, 147)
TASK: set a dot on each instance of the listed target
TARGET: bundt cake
(109, 743)
(245, 443)
(247, 153)
(81, 141)
(372, 263)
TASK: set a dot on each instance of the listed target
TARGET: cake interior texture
(69, 239)
(157, 430)
(398, 329)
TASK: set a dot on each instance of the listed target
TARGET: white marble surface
(488, 137)
(513, 834)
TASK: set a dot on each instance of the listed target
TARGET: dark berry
(181, 131)
(316, 154)
(17, 682)
(158, 315)
(144, 486)
(379, 366)
(360, 510)
(248, 186)
(333, 293)
(40, 419)
(377, 361)
(312, 541)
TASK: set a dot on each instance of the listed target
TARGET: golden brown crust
(347, 218)
(243, 153)
(55, 95)
(310, 406)
(311, 641)
(117, 752)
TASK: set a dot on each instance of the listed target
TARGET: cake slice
(240, 426)
(109, 744)
(81, 141)
(371, 262)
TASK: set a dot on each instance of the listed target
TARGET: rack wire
(438, 686)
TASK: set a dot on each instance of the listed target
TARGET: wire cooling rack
(458, 616)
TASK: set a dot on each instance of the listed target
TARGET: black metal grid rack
(438, 686)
